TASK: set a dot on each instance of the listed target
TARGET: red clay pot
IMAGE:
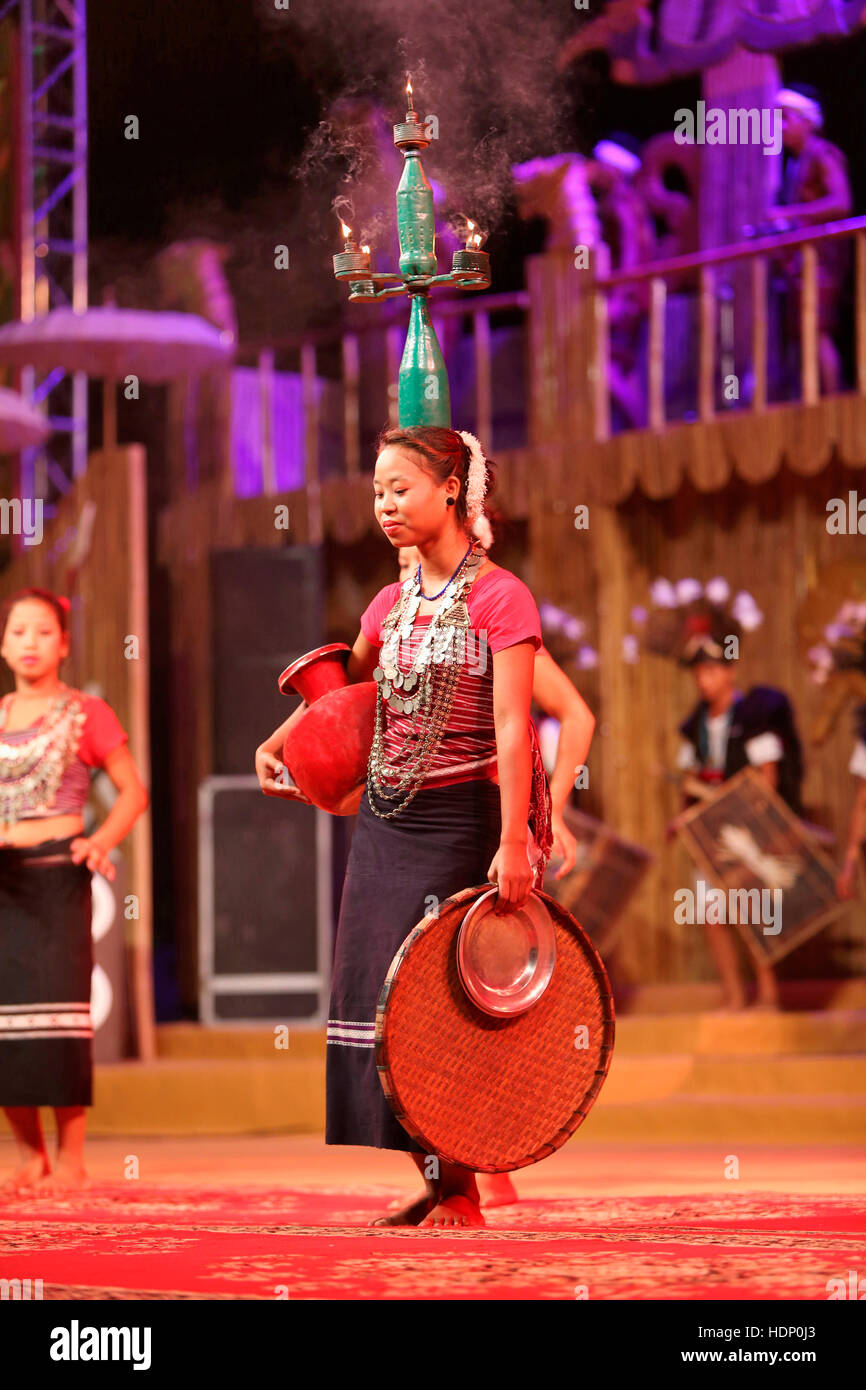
(326, 752)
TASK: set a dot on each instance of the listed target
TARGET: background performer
(51, 736)
(725, 732)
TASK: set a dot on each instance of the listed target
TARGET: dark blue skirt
(441, 843)
(46, 960)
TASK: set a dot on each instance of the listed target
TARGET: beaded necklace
(428, 686)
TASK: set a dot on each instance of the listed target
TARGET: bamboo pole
(266, 406)
(707, 345)
(393, 353)
(351, 404)
(109, 415)
(141, 928)
(599, 368)
(656, 365)
(312, 483)
(809, 373)
(483, 377)
(759, 332)
(860, 309)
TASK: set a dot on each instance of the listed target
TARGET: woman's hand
(513, 875)
(88, 848)
(268, 770)
(565, 844)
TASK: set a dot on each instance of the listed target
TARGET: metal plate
(506, 960)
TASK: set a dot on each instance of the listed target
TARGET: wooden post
(809, 373)
(564, 352)
(759, 332)
(547, 345)
(312, 483)
(351, 404)
(141, 928)
(393, 353)
(601, 358)
(109, 415)
(483, 378)
(656, 363)
(707, 345)
(266, 406)
(860, 309)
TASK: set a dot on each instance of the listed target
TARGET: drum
(492, 1091)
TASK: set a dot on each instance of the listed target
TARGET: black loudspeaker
(265, 905)
(268, 608)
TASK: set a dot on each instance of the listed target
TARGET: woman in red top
(558, 698)
(51, 736)
(456, 792)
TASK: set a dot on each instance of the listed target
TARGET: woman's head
(418, 469)
(33, 632)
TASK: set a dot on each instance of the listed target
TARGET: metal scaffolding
(52, 187)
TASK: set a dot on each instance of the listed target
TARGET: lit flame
(409, 88)
(473, 237)
(366, 250)
(347, 231)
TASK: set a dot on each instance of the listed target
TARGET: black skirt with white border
(46, 961)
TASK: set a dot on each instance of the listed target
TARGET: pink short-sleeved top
(100, 733)
(502, 612)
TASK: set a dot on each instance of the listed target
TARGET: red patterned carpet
(173, 1242)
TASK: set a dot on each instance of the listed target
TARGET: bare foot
(64, 1179)
(28, 1175)
(456, 1210)
(496, 1189)
(411, 1215)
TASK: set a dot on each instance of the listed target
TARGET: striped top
(502, 612)
(101, 733)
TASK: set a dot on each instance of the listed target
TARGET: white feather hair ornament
(476, 480)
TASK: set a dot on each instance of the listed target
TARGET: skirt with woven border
(46, 959)
(441, 843)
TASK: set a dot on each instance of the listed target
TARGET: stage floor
(275, 1217)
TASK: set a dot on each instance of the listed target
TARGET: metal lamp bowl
(505, 961)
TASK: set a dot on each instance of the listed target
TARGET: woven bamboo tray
(491, 1094)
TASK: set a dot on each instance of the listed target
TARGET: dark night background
(228, 95)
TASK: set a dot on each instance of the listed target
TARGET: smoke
(485, 71)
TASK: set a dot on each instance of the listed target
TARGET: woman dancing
(51, 735)
(456, 791)
(559, 699)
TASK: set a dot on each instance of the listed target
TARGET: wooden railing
(704, 265)
(337, 353)
(305, 352)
